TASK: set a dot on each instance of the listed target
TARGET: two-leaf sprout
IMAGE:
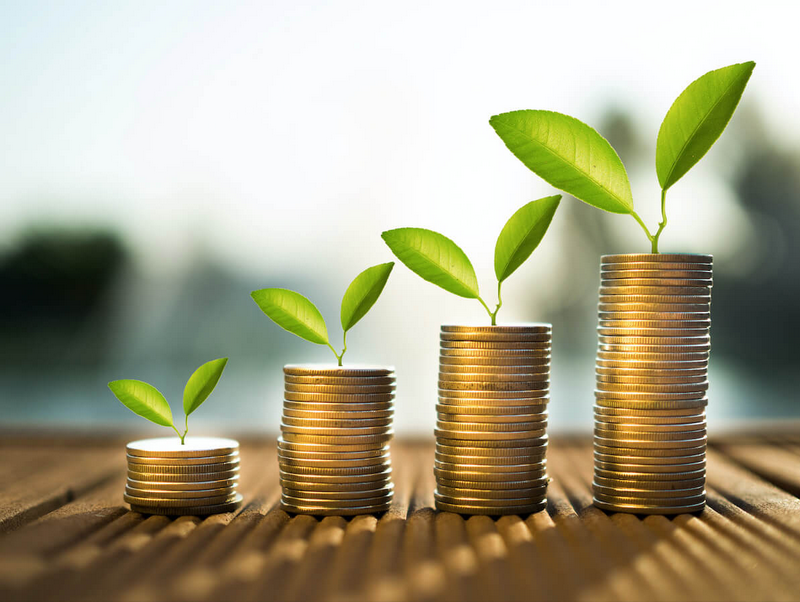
(572, 157)
(148, 402)
(439, 260)
(293, 312)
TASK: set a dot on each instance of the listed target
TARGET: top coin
(332, 370)
(171, 447)
(656, 265)
(497, 337)
(319, 379)
(513, 329)
(657, 258)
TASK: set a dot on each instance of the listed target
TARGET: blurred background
(160, 160)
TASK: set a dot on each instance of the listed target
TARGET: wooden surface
(65, 534)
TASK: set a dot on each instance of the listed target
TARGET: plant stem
(650, 237)
(339, 355)
(493, 314)
(488, 311)
(663, 223)
(179, 433)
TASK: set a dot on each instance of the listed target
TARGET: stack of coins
(652, 380)
(195, 478)
(333, 452)
(494, 385)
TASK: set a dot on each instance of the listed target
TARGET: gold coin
(619, 468)
(446, 436)
(638, 509)
(183, 486)
(675, 336)
(624, 307)
(492, 372)
(339, 447)
(666, 325)
(339, 389)
(314, 454)
(333, 504)
(641, 455)
(525, 465)
(491, 511)
(478, 502)
(322, 471)
(651, 427)
(654, 358)
(335, 476)
(190, 510)
(187, 469)
(329, 370)
(637, 389)
(623, 290)
(366, 401)
(317, 511)
(475, 457)
(539, 410)
(651, 380)
(669, 477)
(495, 363)
(645, 397)
(206, 460)
(461, 479)
(644, 421)
(637, 273)
(636, 435)
(383, 461)
(176, 503)
(493, 427)
(363, 431)
(661, 502)
(496, 338)
(527, 394)
(171, 494)
(316, 485)
(456, 404)
(376, 495)
(445, 444)
(648, 413)
(540, 418)
(651, 365)
(532, 328)
(529, 355)
(338, 415)
(656, 258)
(183, 477)
(658, 283)
(347, 381)
(310, 406)
(493, 455)
(641, 444)
(353, 442)
(171, 447)
(702, 267)
(316, 423)
(491, 494)
(532, 346)
(492, 386)
(655, 299)
(647, 494)
(499, 376)
(663, 316)
(701, 371)
(649, 349)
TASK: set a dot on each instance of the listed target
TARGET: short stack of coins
(333, 451)
(195, 478)
(494, 386)
(652, 382)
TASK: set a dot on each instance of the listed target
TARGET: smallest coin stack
(333, 452)
(494, 385)
(196, 478)
(652, 380)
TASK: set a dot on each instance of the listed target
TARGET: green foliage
(202, 383)
(569, 155)
(435, 258)
(697, 119)
(293, 312)
(363, 292)
(573, 157)
(143, 399)
(439, 260)
(148, 402)
(522, 234)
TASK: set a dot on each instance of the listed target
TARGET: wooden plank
(781, 467)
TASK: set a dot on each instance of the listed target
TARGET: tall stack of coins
(494, 385)
(197, 478)
(334, 446)
(652, 380)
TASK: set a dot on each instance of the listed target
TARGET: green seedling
(293, 312)
(439, 260)
(572, 157)
(148, 402)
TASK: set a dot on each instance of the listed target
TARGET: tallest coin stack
(652, 379)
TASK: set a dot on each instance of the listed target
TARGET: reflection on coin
(190, 510)
(171, 494)
(176, 503)
(328, 370)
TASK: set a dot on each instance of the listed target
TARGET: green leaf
(569, 155)
(697, 119)
(293, 312)
(522, 234)
(363, 292)
(202, 383)
(143, 399)
(435, 258)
